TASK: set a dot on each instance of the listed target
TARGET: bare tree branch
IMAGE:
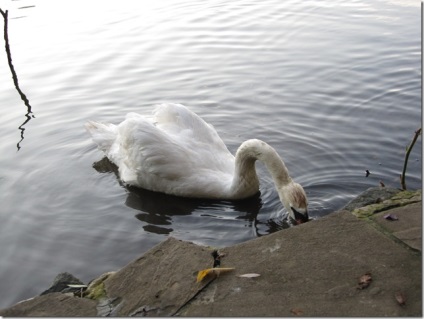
(408, 151)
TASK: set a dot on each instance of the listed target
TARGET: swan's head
(294, 200)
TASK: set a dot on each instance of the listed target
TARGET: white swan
(176, 152)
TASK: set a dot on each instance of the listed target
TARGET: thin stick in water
(405, 164)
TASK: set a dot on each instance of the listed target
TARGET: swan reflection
(158, 211)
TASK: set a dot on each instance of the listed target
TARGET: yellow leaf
(202, 274)
(205, 272)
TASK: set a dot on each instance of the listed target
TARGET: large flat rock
(159, 282)
(313, 270)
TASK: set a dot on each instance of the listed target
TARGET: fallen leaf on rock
(296, 311)
(400, 298)
(248, 275)
(364, 281)
(216, 271)
(390, 217)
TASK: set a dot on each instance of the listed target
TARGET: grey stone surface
(406, 227)
(160, 281)
(61, 282)
(313, 270)
(370, 196)
(55, 304)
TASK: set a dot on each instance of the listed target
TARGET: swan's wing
(148, 151)
(175, 152)
(187, 127)
(155, 159)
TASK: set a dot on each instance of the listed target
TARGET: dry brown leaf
(400, 298)
(364, 281)
(296, 311)
(391, 217)
(216, 271)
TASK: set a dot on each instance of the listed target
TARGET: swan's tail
(103, 135)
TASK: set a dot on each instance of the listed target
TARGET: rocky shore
(364, 260)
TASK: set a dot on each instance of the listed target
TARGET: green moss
(408, 195)
(368, 211)
(96, 289)
(400, 199)
(97, 292)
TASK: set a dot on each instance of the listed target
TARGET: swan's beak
(300, 218)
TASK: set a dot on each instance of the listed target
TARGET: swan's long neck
(245, 179)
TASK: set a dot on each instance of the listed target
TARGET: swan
(176, 152)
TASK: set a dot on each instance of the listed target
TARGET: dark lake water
(333, 86)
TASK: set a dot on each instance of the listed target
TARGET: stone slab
(52, 305)
(313, 270)
(407, 227)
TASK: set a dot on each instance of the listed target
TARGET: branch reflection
(158, 209)
(29, 115)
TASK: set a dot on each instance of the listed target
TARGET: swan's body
(178, 153)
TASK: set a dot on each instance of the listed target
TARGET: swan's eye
(299, 217)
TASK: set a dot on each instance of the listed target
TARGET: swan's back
(194, 134)
(175, 152)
